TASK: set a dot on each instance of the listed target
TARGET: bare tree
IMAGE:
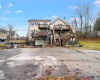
(84, 14)
(94, 21)
(75, 24)
(10, 31)
(80, 14)
(87, 19)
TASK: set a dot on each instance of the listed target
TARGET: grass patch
(2, 46)
(90, 44)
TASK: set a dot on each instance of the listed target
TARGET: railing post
(54, 35)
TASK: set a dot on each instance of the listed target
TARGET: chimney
(64, 19)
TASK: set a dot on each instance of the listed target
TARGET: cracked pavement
(30, 63)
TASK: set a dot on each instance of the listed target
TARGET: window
(60, 25)
(45, 24)
(33, 23)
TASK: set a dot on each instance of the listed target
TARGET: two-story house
(38, 31)
(42, 32)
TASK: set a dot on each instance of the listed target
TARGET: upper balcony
(61, 27)
(43, 26)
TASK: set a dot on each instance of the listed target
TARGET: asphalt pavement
(31, 63)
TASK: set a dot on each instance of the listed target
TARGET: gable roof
(58, 19)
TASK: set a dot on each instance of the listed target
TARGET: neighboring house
(3, 34)
(42, 32)
(15, 36)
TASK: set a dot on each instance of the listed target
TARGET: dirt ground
(31, 63)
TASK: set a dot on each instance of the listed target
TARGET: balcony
(61, 36)
(61, 28)
(43, 26)
(42, 33)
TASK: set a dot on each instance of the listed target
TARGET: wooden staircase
(73, 34)
(66, 40)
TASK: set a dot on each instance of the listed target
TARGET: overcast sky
(18, 12)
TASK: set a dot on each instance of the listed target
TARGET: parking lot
(30, 63)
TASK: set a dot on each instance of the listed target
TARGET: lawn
(90, 43)
(2, 46)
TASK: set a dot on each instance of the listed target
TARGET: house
(3, 34)
(61, 32)
(16, 36)
(42, 32)
(38, 31)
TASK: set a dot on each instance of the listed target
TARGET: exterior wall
(31, 28)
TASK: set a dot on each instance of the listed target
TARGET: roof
(38, 20)
(3, 31)
(60, 20)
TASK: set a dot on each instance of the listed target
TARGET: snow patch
(50, 60)
(2, 76)
(25, 56)
(1, 60)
